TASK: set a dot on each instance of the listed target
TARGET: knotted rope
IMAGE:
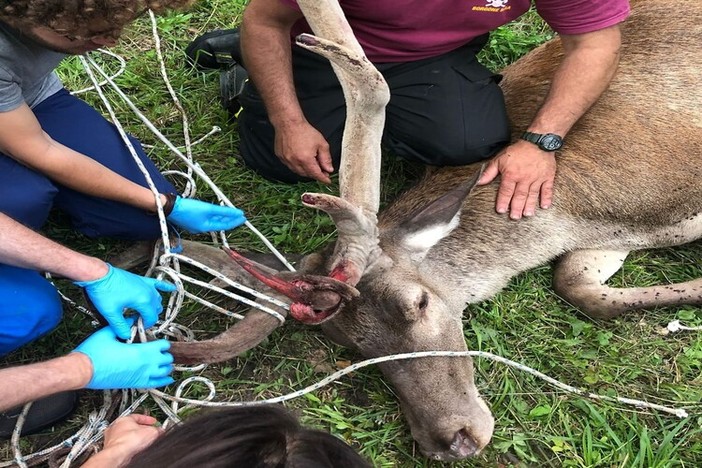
(167, 263)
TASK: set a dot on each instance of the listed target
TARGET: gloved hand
(197, 216)
(118, 290)
(126, 365)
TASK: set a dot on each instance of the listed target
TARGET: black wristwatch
(546, 141)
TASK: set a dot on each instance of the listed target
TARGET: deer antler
(354, 213)
(366, 94)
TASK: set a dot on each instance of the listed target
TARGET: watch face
(551, 142)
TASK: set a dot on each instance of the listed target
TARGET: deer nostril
(463, 445)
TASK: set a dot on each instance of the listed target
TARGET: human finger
(324, 159)
(160, 382)
(518, 202)
(314, 171)
(118, 324)
(143, 419)
(489, 174)
(531, 200)
(504, 195)
(547, 194)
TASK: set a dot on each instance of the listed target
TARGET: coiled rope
(167, 263)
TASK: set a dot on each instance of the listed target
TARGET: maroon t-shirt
(406, 30)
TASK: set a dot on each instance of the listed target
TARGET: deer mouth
(315, 299)
(307, 314)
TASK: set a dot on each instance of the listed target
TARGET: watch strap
(532, 137)
(547, 142)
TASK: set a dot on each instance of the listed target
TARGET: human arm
(22, 138)
(527, 173)
(110, 289)
(24, 248)
(31, 382)
(101, 361)
(265, 41)
(124, 438)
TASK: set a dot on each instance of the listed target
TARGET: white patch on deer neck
(420, 241)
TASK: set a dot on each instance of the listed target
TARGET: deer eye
(423, 301)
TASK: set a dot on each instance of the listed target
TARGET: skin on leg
(580, 277)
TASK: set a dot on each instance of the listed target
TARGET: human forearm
(22, 247)
(87, 176)
(31, 382)
(104, 459)
(588, 67)
(265, 40)
(22, 138)
(527, 172)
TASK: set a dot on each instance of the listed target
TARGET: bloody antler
(315, 298)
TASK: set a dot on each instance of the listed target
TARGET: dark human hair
(80, 19)
(266, 436)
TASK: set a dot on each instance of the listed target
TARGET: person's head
(254, 437)
(77, 26)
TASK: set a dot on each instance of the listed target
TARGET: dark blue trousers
(29, 305)
(443, 111)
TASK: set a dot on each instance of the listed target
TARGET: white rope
(194, 166)
(681, 413)
(215, 129)
(676, 326)
(122, 68)
(167, 263)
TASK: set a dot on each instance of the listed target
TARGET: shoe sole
(214, 60)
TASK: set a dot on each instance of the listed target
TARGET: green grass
(536, 424)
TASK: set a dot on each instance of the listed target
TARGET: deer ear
(428, 225)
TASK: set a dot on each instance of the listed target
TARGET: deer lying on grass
(627, 179)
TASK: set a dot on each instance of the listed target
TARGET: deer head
(371, 293)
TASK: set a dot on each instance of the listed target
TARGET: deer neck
(487, 250)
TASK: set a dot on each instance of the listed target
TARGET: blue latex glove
(118, 290)
(126, 365)
(197, 216)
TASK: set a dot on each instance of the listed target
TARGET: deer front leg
(579, 278)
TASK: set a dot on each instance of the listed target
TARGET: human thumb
(164, 286)
(489, 174)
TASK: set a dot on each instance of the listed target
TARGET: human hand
(124, 438)
(304, 151)
(196, 216)
(126, 365)
(120, 289)
(527, 175)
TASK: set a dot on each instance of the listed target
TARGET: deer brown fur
(628, 178)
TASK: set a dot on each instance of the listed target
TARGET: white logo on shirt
(497, 3)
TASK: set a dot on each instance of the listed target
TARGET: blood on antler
(355, 212)
(317, 298)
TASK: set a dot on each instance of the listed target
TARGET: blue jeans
(29, 307)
